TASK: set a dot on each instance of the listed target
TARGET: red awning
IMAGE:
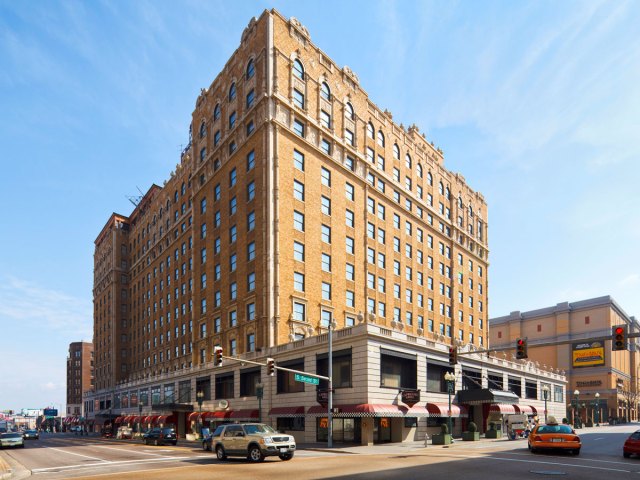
(287, 412)
(129, 418)
(526, 409)
(417, 411)
(147, 419)
(246, 415)
(442, 410)
(502, 408)
(360, 410)
(118, 419)
(166, 419)
(193, 416)
(219, 415)
(154, 419)
(136, 419)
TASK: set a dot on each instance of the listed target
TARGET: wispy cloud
(37, 307)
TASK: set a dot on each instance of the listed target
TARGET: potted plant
(495, 430)
(472, 434)
(442, 438)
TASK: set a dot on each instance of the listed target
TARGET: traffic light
(217, 356)
(619, 337)
(521, 348)
(271, 366)
(453, 355)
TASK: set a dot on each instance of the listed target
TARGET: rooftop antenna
(135, 199)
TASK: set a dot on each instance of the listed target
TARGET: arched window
(216, 112)
(298, 69)
(348, 111)
(430, 179)
(370, 130)
(251, 69)
(183, 189)
(419, 169)
(441, 188)
(203, 153)
(407, 161)
(203, 129)
(396, 151)
(380, 138)
(232, 91)
(325, 92)
(459, 202)
(447, 193)
(470, 211)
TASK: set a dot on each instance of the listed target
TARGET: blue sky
(536, 104)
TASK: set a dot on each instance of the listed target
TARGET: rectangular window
(350, 246)
(326, 262)
(298, 251)
(251, 251)
(298, 128)
(251, 191)
(349, 218)
(299, 312)
(298, 190)
(350, 299)
(298, 160)
(325, 205)
(325, 119)
(326, 291)
(298, 98)
(348, 135)
(298, 221)
(325, 233)
(251, 311)
(349, 191)
(350, 272)
(251, 221)
(325, 177)
(298, 281)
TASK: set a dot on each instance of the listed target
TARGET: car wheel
(220, 455)
(286, 456)
(255, 454)
(626, 454)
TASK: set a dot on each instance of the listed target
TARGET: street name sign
(303, 378)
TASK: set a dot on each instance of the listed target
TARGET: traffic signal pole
(549, 344)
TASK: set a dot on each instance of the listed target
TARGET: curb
(5, 469)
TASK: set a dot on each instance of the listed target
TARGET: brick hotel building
(298, 204)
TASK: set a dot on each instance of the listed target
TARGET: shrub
(473, 427)
(444, 429)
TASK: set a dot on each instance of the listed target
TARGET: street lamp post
(200, 399)
(450, 378)
(576, 415)
(140, 417)
(597, 395)
(259, 394)
(545, 395)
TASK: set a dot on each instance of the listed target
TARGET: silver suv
(252, 440)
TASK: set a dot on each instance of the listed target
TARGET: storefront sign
(410, 397)
(322, 396)
(587, 354)
(589, 383)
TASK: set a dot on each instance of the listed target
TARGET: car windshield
(167, 430)
(554, 429)
(11, 435)
(258, 429)
(635, 436)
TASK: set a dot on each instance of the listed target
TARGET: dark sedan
(632, 445)
(31, 435)
(160, 436)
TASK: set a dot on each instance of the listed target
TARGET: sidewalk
(5, 469)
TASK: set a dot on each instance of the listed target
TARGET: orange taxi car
(552, 436)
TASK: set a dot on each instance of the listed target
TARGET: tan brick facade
(403, 222)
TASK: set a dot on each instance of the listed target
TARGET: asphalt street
(66, 456)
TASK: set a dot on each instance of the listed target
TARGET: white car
(13, 439)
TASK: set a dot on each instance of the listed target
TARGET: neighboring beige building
(591, 367)
(297, 204)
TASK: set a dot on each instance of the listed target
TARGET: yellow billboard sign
(587, 354)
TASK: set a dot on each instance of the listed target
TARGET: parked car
(11, 439)
(124, 432)
(552, 436)
(255, 441)
(632, 445)
(30, 435)
(160, 436)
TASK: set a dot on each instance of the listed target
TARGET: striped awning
(147, 419)
(359, 410)
(118, 419)
(442, 410)
(502, 408)
(165, 419)
(287, 412)
(416, 411)
(246, 415)
(129, 418)
(219, 415)
(526, 409)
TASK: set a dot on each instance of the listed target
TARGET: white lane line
(582, 459)
(599, 438)
(133, 450)
(589, 467)
(77, 454)
(105, 463)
